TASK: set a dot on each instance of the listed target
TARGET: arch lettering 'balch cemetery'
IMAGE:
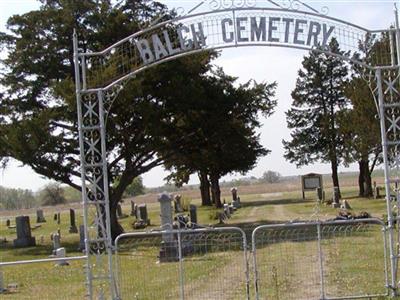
(239, 30)
(223, 24)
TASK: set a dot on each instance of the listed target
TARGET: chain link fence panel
(200, 264)
(320, 260)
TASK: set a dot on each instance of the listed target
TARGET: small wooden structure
(311, 182)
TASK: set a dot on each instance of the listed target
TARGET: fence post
(181, 280)
(2, 289)
(321, 264)
(254, 247)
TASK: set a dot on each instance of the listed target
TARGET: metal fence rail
(183, 264)
(320, 260)
(44, 279)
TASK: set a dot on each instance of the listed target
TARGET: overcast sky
(259, 63)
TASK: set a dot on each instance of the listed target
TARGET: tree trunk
(335, 177)
(205, 189)
(361, 178)
(215, 190)
(368, 192)
(116, 228)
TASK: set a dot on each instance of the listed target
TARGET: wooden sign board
(310, 182)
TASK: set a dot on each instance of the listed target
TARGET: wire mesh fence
(42, 280)
(183, 264)
(320, 260)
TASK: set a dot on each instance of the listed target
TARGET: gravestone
(8, 222)
(319, 193)
(136, 211)
(55, 217)
(55, 237)
(376, 191)
(72, 221)
(345, 205)
(143, 214)
(231, 209)
(236, 204)
(40, 216)
(227, 211)
(24, 236)
(168, 251)
(221, 217)
(81, 238)
(193, 214)
(58, 218)
(178, 204)
(61, 253)
(181, 221)
(133, 209)
(234, 193)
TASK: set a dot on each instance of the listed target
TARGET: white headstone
(61, 253)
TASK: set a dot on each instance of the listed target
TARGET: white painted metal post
(83, 179)
(321, 264)
(382, 118)
(106, 193)
(181, 274)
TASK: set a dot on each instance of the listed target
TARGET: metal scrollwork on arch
(229, 4)
(298, 5)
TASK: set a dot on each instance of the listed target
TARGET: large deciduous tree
(220, 132)
(38, 119)
(318, 100)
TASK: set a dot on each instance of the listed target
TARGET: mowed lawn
(288, 268)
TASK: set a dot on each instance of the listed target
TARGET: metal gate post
(94, 177)
(181, 275)
(390, 229)
(321, 264)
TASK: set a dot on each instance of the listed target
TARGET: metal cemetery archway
(224, 24)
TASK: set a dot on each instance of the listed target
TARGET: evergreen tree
(318, 100)
(361, 129)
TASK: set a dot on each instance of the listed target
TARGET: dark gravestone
(8, 222)
(55, 217)
(143, 213)
(40, 216)
(319, 193)
(234, 193)
(193, 214)
(133, 209)
(24, 236)
(72, 221)
(81, 238)
(120, 214)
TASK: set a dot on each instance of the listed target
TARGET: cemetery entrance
(220, 24)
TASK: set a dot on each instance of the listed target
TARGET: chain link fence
(315, 260)
(43, 279)
(320, 260)
(199, 264)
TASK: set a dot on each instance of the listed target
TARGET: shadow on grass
(38, 251)
(276, 202)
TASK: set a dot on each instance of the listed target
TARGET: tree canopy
(318, 100)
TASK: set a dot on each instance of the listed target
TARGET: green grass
(351, 260)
